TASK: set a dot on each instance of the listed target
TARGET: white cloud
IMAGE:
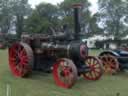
(36, 2)
(94, 7)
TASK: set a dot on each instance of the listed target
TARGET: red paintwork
(68, 72)
(18, 60)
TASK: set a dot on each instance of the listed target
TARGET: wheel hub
(66, 72)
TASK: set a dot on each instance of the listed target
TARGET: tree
(12, 14)
(89, 26)
(111, 16)
(21, 9)
(44, 16)
(66, 11)
(47, 16)
(92, 27)
(5, 15)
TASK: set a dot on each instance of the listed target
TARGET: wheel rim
(19, 59)
(95, 68)
(110, 63)
(65, 73)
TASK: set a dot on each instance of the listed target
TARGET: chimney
(77, 28)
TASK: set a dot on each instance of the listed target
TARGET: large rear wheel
(20, 59)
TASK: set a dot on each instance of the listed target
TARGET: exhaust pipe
(77, 28)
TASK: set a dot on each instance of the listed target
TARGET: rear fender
(110, 52)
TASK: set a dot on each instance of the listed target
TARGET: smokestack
(77, 28)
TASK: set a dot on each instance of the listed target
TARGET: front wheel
(95, 68)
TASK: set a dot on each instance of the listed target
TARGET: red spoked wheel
(65, 73)
(95, 68)
(110, 63)
(20, 59)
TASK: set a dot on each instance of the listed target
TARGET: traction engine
(66, 57)
(114, 60)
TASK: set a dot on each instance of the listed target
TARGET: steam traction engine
(115, 60)
(66, 57)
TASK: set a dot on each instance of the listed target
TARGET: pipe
(76, 20)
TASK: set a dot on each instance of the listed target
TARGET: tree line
(110, 20)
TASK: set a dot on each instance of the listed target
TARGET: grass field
(40, 84)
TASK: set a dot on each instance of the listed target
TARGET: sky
(93, 8)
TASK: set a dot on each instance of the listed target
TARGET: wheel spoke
(95, 64)
(93, 74)
(22, 53)
(24, 60)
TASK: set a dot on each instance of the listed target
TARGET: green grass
(40, 84)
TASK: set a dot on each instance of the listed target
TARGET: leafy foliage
(89, 26)
(43, 17)
(66, 11)
(12, 14)
(111, 16)
(5, 15)
(47, 16)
